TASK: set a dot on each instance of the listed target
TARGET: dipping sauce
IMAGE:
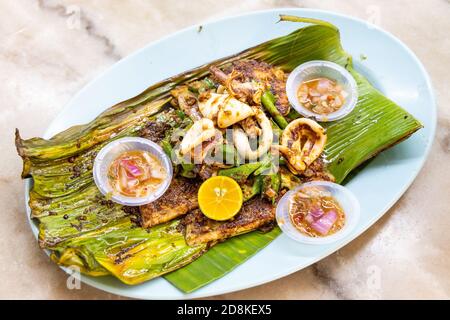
(315, 212)
(136, 173)
(321, 95)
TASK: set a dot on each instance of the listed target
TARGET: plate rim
(432, 104)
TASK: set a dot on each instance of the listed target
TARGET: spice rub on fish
(254, 214)
(247, 79)
(179, 199)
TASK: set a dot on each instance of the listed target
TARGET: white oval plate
(402, 78)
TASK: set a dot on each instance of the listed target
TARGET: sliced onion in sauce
(324, 85)
(316, 212)
(309, 218)
(132, 169)
(132, 183)
(123, 179)
(324, 224)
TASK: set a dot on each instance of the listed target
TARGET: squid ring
(242, 144)
(302, 142)
(202, 130)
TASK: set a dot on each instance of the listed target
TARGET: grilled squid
(302, 142)
(187, 102)
(242, 143)
(224, 109)
(250, 127)
(200, 141)
(201, 131)
(241, 90)
(204, 153)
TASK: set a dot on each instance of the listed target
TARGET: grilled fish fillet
(179, 199)
(254, 214)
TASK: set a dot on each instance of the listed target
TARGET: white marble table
(51, 49)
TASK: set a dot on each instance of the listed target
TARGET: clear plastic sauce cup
(346, 199)
(114, 149)
(322, 69)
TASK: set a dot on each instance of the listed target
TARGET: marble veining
(84, 22)
(51, 48)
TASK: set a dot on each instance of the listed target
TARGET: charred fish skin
(242, 75)
(179, 199)
(254, 214)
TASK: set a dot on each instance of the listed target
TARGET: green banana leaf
(375, 124)
(131, 254)
(85, 230)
